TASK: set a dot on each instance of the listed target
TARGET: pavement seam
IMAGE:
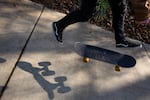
(143, 46)
(146, 51)
(22, 51)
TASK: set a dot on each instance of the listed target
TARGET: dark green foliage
(102, 8)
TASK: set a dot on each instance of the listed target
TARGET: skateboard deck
(105, 55)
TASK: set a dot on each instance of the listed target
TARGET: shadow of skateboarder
(46, 85)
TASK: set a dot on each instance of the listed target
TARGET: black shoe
(57, 32)
(128, 43)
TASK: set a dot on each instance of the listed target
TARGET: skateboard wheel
(117, 68)
(86, 59)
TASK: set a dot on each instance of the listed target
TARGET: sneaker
(128, 43)
(57, 32)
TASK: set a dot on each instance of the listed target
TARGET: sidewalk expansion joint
(22, 51)
(146, 51)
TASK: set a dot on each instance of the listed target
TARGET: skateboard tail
(127, 61)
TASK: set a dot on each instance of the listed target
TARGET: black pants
(86, 11)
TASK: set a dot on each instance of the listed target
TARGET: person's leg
(118, 11)
(83, 14)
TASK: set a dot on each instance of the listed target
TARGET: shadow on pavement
(133, 91)
(46, 85)
(1, 87)
(1, 90)
(2, 60)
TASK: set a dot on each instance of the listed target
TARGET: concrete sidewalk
(47, 70)
(17, 23)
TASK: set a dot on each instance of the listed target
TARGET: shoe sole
(126, 46)
(55, 33)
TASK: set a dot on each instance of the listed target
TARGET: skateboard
(105, 55)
